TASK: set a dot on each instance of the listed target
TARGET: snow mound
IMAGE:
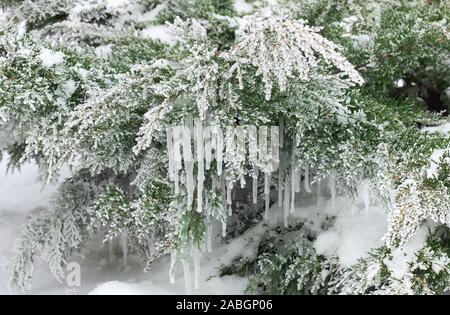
(442, 129)
(51, 58)
(354, 233)
(241, 6)
(118, 288)
(401, 257)
(159, 32)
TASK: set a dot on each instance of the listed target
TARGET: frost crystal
(281, 49)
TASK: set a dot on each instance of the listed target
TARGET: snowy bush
(354, 95)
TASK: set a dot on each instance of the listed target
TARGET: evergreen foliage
(88, 84)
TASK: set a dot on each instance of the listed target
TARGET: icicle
(190, 184)
(213, 141)
(224, 228)
(208, 152)
(177, 136)
(223, 185)
(177, 160)
(281, 132)
(170, 154)
(209, 234)
(286, 206)
(229, 198)
(230, 145)
(229, 191)
(274, 149)
(219, 150)
(296, 180)
(253, 159)
(189, 123)
(125, 248)
(255, 184)
(252, 145)
(200, 164)
(173, 260)
(177, 182)
(280, 188)
(187, 275)
(332, 185)
(197, 255)
(319, 191)
(365, 192)
(307, 186)
(266, 194)
(262, 148)
(188, 163)
(223, 188)
(240, 146)
(200, 195)
(243, 183)
(294, 183)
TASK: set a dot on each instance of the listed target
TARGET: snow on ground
(241, 6)
(156, 281)
(401, 257)
(159, 32)
(354, 233)
(442, 129)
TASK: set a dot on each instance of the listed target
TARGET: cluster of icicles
(195, 142)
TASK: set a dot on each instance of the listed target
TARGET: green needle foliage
(95, 84)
